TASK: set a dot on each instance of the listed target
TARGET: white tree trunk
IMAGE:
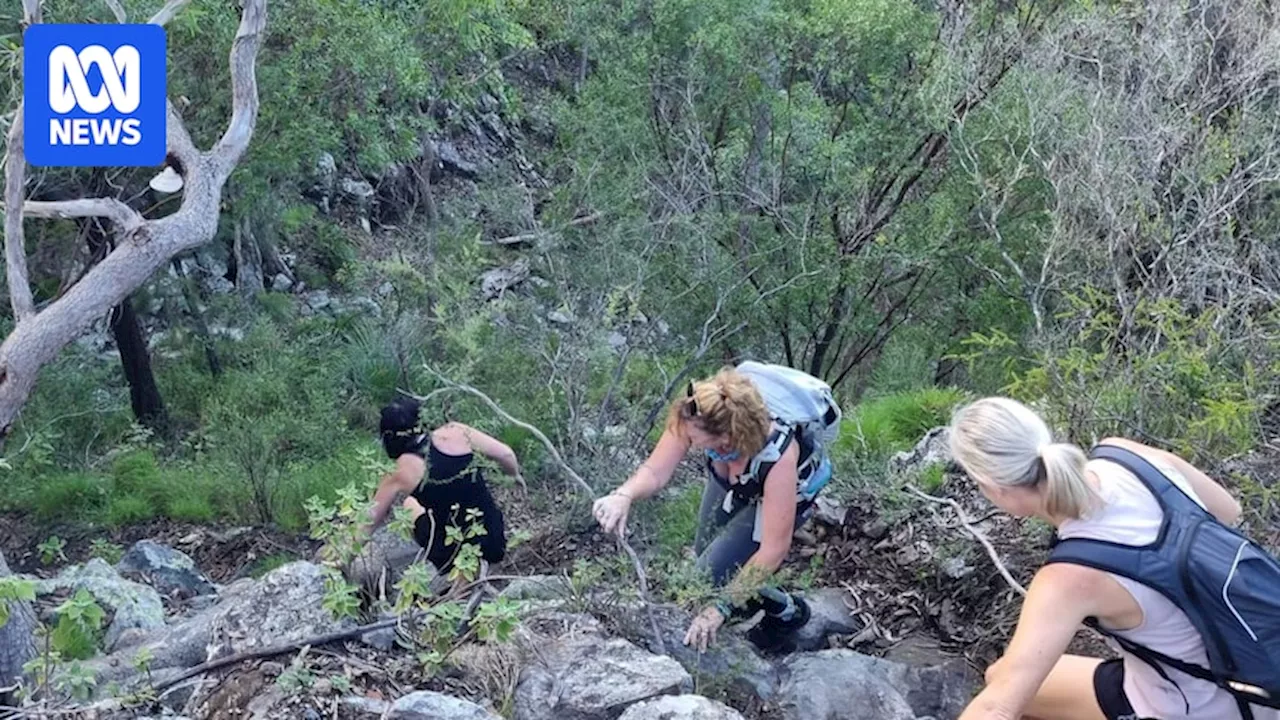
(142, 245)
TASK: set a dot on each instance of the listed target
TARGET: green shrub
(138, 474)
(896, 422)
(125, 510)
(676, 518)
(69, 496)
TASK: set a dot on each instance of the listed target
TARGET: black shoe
(772, 635)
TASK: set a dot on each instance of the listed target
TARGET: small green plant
(79, 628)
(297, 677)
(77, 680)
(933, 478)
(14, 589)
(106, 550)
(51, 550)
(340, 597)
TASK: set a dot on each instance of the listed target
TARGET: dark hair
(400, 427)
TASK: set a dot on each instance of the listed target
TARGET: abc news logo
(94, 95)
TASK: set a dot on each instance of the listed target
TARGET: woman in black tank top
(435, 469)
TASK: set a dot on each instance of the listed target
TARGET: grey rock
(427, 705)
(933, 449)
(559, 318)
(281, 283)
(383, 560)
(286, 605)
(317, 300)
(664, 329)
(325, 171)
(367, 706)
(488, 103)
(829, 615)
(386, 288)
(219, 286)
(731, 658)
(588, 677)
(537, 587)
(132, 604)
(829, 512)
(956, 568)
(172, 572)
(359, 192)
(453, 162)
(360, 305)
(211, 265)
(382, 639)
(820, 686)
(680, 707)
(617, 340)
(496, 282)
(875, 529)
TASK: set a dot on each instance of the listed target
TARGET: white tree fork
(142, 247)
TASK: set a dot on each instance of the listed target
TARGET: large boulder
(286, 605)
(844, 685)
(133, 606)
(169, 571)
(829, 616)
(730, 658)
(383, 560)
(582, 675)
(680, 707)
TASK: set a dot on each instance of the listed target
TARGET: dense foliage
(1069, 201)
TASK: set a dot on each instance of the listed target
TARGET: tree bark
(197, 318)
(248, 260)
(17, 641)
(135, 360)
(141, 246)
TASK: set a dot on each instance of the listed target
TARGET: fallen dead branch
(586, 488)
(973, 530)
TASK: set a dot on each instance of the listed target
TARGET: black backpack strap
(1167, 493)
(1156, 659)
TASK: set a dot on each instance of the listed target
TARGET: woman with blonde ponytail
(1009, 451)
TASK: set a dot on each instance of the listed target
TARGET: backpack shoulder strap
(1167, 493)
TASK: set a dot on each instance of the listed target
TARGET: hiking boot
(772, 635)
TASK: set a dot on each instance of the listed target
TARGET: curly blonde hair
(727, 404)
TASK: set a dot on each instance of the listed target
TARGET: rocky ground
(565, 661)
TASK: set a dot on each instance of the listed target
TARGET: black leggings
(724, 543)
(446, 506)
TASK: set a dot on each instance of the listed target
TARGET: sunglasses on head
(691, 404)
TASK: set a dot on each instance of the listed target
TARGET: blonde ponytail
(1004, 442)
(1066, 492)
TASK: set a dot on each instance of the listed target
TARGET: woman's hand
(702, 631)
(611, 512)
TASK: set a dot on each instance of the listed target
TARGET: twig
(586, 488)
(118, 11)
(274, 650)
(964, 520)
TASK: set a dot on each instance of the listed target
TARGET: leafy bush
(896, 422)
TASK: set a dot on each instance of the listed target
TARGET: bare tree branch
(31, 13)
(15, 253)
(124, 217)
(118, 11)
(964, 520)
(244, 90)
(168, 12)
(178, 141)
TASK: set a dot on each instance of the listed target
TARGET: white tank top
(1132, 516)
